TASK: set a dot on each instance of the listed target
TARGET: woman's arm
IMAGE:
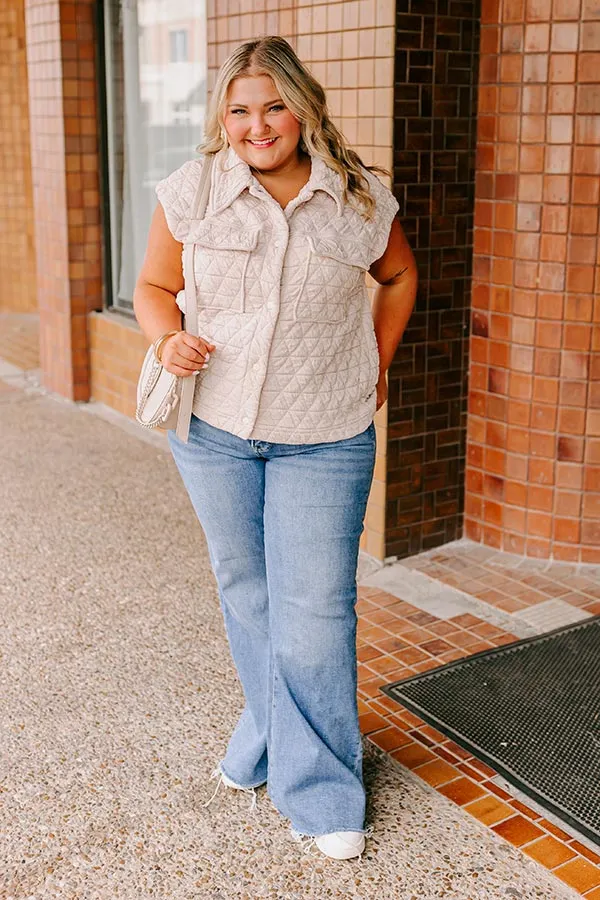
(159, 281)
(396, 274)
(154, 303)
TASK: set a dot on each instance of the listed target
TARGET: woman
(290, 368)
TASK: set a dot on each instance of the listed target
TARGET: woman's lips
(262, 146)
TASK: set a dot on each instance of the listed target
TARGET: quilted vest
(282, 295)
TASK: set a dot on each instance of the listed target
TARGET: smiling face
(261, 129)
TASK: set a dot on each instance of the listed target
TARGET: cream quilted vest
(282, 295)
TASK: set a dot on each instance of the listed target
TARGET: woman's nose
(258, 127)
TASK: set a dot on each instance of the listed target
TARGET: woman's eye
(275, 106)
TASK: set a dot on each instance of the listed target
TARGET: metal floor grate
(531, 710)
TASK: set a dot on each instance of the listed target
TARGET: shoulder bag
(165, 400)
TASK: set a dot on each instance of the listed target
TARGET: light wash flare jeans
(282, 524)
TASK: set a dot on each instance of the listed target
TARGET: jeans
(282, 525)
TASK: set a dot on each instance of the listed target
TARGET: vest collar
(233, 175)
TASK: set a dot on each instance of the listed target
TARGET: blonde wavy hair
(305, 98)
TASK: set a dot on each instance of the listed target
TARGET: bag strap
(197, 211)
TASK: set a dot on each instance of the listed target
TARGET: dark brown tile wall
(436, 60)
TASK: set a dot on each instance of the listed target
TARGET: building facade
(488, 117)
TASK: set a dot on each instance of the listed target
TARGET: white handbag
(165, 400)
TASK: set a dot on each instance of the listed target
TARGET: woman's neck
(291, 169)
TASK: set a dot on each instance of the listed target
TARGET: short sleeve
(176, 193)
(378, 229)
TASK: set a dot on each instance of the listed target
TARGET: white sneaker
(341, 844)
(337, 844)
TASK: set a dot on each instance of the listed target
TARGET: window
(179, 46)
(155, 103)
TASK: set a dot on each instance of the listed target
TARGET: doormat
(531, 711)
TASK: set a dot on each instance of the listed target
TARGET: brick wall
(117, 349)
(17, 257)
(533, 481)
(434, 153)
(61, 53)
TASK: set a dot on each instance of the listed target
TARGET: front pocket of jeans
(221, 258)
(331, 276)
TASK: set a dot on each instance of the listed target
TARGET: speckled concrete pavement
(118, 694)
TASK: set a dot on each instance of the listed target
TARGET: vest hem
(350, 428)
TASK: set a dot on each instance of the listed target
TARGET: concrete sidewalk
(118, 695)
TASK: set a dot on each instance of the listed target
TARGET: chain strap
(153, 376)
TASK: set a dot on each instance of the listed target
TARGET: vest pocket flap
(340, 247)
(219, 236)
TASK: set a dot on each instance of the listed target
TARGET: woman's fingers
(178, 365)
(194, 365)
(186, 365)
(178, 370)
(187, 351)
(184, 354)
(195, 343)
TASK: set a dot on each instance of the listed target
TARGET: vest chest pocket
(221, 258)
(332, 273)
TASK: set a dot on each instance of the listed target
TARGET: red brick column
(66, 200)
(17, 259)
(533, 470)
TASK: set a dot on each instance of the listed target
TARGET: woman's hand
(382, 391)
(184, 354)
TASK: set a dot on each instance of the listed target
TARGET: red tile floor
(396, 640)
